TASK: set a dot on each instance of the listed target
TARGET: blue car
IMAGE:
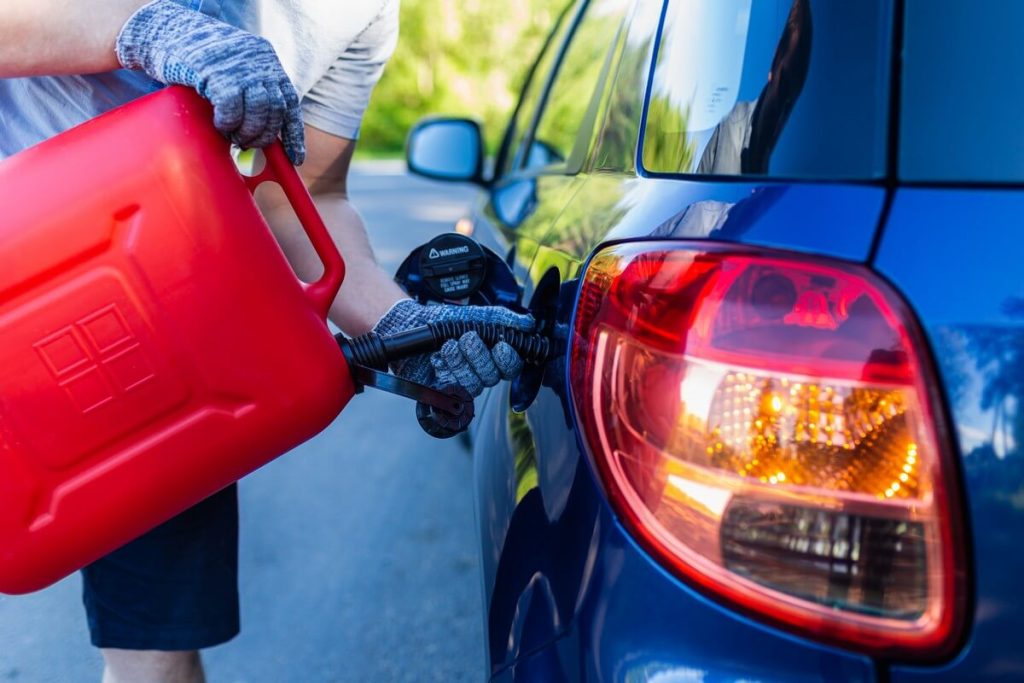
(778, 244)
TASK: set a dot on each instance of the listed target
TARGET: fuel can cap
(453, 266)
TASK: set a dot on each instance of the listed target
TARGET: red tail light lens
(762, 425)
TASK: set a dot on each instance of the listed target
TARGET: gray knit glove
(238, 72)
(467, 361)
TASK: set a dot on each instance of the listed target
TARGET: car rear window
(779, 88)
(963, 91)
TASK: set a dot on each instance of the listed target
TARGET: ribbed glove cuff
(400, 317)
(134, 41)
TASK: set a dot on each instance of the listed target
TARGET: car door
(538, 171)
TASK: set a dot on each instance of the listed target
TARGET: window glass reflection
(789, 88)
(573, 89)
(617, 135)
(533, 92)
(963, 91)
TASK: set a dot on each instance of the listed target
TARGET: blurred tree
(672, 149)
(465, 57)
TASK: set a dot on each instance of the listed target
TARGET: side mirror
(449, 149)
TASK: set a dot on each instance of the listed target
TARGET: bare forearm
(368, 292)
(56, 37)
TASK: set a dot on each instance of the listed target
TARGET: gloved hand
(467, 361)
(238, 72)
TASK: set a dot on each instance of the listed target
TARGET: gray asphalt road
(358, 555)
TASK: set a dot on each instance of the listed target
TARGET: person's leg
(152, 666)
(153, 604)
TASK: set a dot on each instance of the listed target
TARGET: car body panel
(830, 219)
(964, 282)
(519, 212)
(632, 636)
(642, 624)
(535, 548)
(539, 505)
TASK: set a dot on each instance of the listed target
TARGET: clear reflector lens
(761, 425)
(873, 565)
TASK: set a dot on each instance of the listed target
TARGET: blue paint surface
(957, 255)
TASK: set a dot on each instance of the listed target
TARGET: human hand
(238, 72)
(466, 361)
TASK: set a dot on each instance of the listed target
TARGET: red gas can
(155, 345)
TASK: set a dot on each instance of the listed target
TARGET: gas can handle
(280, 170)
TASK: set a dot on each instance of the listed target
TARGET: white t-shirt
(334, 52)
(723, 154)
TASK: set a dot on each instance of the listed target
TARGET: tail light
(762, 424)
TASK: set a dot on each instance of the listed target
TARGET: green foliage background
(465, 57)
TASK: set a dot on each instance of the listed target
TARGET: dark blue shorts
(175, 588)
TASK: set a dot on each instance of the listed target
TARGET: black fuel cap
(453, 266)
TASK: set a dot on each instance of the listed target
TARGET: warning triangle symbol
(433, 254)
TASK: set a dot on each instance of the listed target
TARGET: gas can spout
(441, 412)
(378, 351)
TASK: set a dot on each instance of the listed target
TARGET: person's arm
(369, 298)
(57, 37)
(239, 73)
(368, 292)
